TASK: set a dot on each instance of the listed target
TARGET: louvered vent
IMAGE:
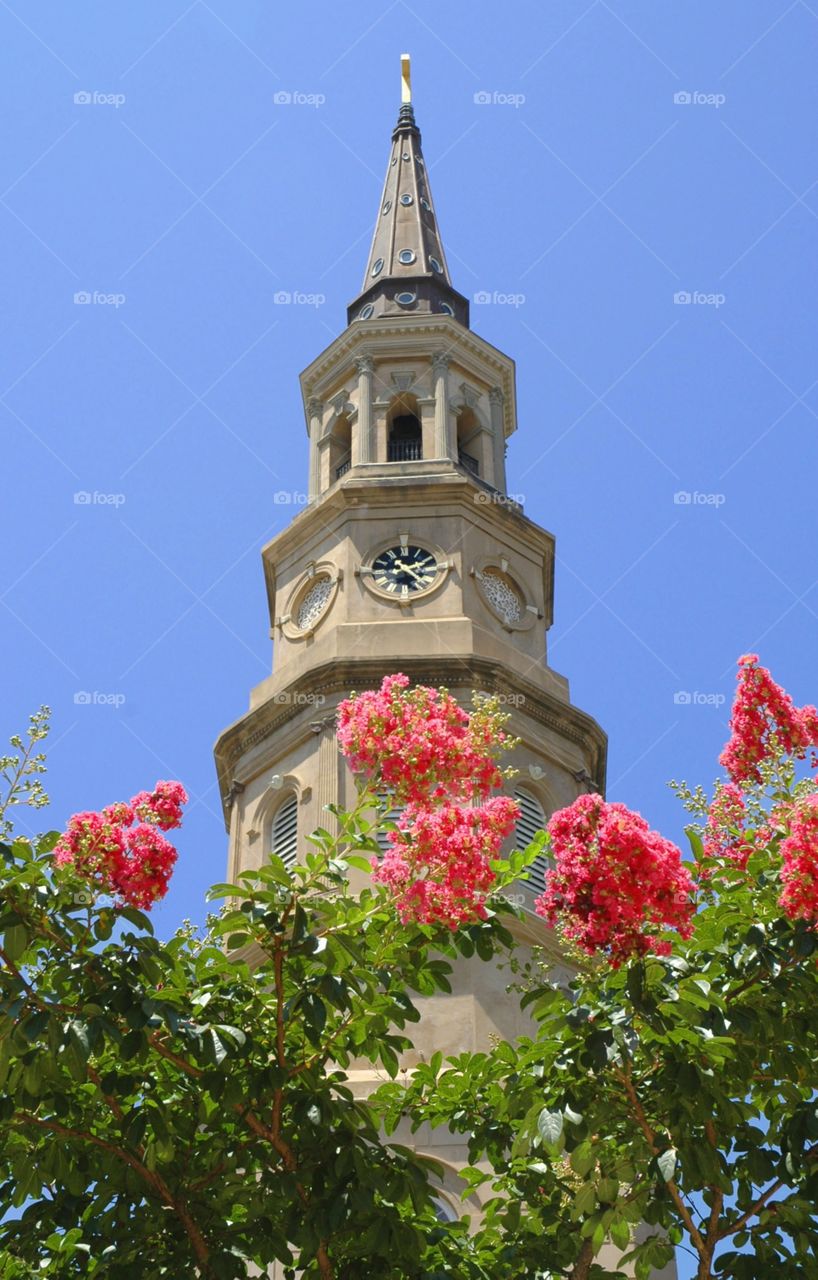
(531, 820)
(391, 815)
(284, 835)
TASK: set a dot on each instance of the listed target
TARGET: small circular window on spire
(424, 204)
(444, 308)
(435, 265)
(387, 207)
(377, 267)
(394, 160)
(406, 256)
(405, 299)
(366, 311)
(406, 198)
(406, 155)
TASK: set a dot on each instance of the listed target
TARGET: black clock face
(401, 571)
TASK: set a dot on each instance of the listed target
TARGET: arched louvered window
(531, 820)
(284, 830)
(386, 815)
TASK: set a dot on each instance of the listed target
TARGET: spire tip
(405, 78)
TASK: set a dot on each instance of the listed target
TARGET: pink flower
(162, 806)
(724, 837)
(418, 744)
(130, 863)
(439, 863)
(762, 708)
(615, 882)
(799, 857)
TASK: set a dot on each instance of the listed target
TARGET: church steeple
(406, 271)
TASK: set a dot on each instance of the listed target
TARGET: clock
(404, 570)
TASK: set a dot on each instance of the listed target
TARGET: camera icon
(82, 298)
(683, 498)
(682, 698)
(283, 98)
(482, 97)
(282, 297)
(82, 98)
(482, 498)
(82, 698)
(482, 297)
(82, 898)
(683, 298)
(82, 499)
(683, 98)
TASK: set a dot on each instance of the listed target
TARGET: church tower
(409, 556)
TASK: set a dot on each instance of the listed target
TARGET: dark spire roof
(407, 260)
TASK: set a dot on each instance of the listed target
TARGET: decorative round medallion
(313, 602)
(502, 596)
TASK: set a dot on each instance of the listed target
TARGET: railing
(343, 468)
(466, 460)
(404, 450)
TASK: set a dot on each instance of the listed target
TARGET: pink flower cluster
(131, 862)
(761, 708)
(799, 858)
(431, 756)
(438, 864)
(724, 836)
(614, 882)
(419, 744)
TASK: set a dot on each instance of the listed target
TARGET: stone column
(327, 772)
(497, 400)
(234, 851)
(440, 383)
(363, 436)
(315, 411)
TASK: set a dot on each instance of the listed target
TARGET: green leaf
(582, 1159)
(549, 1126)
(15, 941)
(667, 1164)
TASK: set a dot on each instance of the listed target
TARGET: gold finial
(405, 78)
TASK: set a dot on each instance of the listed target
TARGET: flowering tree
(674, 1082)
(182, 1108)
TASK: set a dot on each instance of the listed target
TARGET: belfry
(409, 556)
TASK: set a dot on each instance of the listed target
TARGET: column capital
(236, 789)
(496, 397)
(364, 363)
(315, 406)
(440, 361)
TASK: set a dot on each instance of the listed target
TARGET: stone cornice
(413, 335)
(337, 677)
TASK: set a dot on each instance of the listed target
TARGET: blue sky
(627, 154)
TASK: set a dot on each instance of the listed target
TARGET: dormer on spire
(407, 271)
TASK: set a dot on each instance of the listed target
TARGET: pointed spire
(406, 270)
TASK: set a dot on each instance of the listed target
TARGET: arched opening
(532, 819)
(283, 837)
(468, 431)
(404, 441)
(340, 448)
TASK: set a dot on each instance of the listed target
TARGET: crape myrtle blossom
(439, 763)
(132, 863)
(725, 838)
(761, 709)
(799, 862)
(615, 883)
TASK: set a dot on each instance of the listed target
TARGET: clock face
(403, 571)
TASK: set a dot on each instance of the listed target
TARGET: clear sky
(590, 163)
